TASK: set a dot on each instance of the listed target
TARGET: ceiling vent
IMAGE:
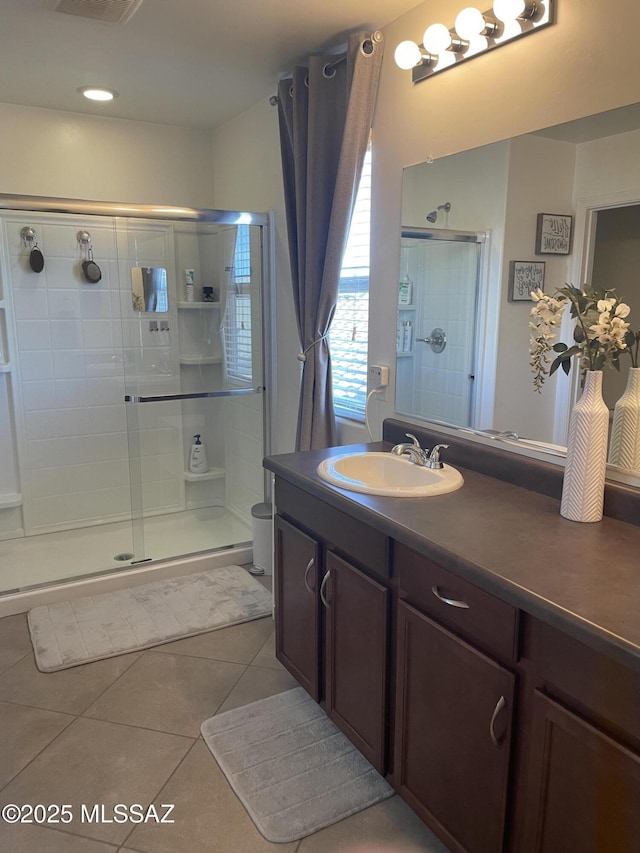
(108, 11)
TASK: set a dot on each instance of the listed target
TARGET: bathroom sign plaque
(525, 276)
(553, 234)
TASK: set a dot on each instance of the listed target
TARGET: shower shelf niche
(194, 306)
(211, 474)
(10, 500)
(200, 359)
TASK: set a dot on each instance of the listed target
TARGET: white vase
(584, 473)
(624, 447)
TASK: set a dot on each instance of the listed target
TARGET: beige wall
(248, 175)
(55, 153)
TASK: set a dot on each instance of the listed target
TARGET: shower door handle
(162, 398)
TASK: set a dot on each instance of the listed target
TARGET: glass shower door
(437, 329)
(193, 367)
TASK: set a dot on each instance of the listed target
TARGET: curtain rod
(367, 47)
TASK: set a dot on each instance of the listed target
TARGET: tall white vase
(584, 473)
(624, 447)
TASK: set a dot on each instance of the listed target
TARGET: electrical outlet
(378, 376)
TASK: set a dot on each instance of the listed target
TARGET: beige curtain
(325, 114)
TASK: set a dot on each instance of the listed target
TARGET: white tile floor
(126, 730)
(33, 560)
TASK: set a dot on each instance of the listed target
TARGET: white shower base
(57, 557)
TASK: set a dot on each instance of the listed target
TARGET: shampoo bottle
(405, 292)
(407, 336)
(198, 458)
(189, 284)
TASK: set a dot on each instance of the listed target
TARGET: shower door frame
(166, 213)
(487, 299)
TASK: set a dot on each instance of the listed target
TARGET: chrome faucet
(416, 453)
(434, 457)
(419, 455)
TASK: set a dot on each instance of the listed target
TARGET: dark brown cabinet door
(357, 623)
(584, 792)
(297, 558)
(453, 733)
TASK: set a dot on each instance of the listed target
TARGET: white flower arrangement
(601, 332)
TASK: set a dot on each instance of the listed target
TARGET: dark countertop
(581, 578)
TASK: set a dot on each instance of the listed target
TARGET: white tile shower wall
(70, 412)
(445, 298)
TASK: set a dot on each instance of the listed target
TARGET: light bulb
(508, 10)
(96, 94)
(470, 23)
(436, 39)
(407, 55)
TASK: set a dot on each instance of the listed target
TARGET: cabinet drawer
(360, 543)
(601, 688)
(474, 614)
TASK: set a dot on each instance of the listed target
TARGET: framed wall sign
(525, 276)
(553, 234)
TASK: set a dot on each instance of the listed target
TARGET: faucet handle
(415, 441)
(434, 457)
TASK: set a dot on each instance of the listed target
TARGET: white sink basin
(374, 473)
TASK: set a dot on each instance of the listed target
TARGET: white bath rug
(292, 769)
(112, 623)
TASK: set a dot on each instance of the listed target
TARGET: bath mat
(112, 623)
(292, 769)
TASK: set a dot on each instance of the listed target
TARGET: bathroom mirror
(586, 169)
(149, 289)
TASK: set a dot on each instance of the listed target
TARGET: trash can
(261, 515)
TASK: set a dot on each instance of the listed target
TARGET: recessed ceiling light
(96, 94)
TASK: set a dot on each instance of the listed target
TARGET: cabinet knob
(310, 565)
(452, 602)
(496, 711)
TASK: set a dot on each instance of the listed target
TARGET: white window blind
(348, 336)
(237, 327)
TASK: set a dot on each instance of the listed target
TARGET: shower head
(431, 217)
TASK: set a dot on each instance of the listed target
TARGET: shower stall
(437, 351)
(143, 328)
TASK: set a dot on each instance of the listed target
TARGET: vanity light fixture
(95, 93)
(474, 33)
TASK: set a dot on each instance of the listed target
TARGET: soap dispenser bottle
(198, 458)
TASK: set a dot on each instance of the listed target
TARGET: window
(237, 326)
(349, 333)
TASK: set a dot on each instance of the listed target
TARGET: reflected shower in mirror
(149, 289)
(587, 169)
(437, 325)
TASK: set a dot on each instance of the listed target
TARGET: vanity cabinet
(297, 605)
(502, 731)
(454, 706)
(332, 616)
(584, 765)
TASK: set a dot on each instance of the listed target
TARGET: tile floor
(126, 730)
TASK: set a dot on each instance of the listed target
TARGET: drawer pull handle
(450, 601)
(499, 707)
(322, 586)
(310, 565)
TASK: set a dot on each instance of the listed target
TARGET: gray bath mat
(293, 770)
(101, 626)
